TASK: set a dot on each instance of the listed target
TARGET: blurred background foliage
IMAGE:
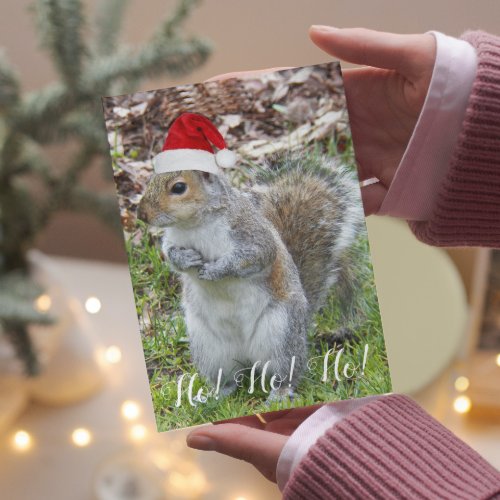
(90, 62)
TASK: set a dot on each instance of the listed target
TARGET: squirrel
(256, 263)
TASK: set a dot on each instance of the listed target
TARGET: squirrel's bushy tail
(314, 203)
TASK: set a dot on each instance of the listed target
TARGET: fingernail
(325, 29)
(200, 442)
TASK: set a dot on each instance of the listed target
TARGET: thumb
(373, 195)
(260, 448)
(406, 54)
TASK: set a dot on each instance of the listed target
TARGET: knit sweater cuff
(391, 448)
(467, 212)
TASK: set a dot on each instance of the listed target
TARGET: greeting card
(247, 245)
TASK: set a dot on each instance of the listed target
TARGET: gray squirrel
(256, 263)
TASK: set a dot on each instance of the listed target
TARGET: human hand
(249, 439)
(384, 99)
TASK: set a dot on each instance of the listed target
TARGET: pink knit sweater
(468, 208)
(391, 448)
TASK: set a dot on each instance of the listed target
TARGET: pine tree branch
(89, 127)
(161, 55)
(9, 85)
(19, 338)
(14, 310)
(63, 188)
(19, 284)
(61, 25)
(11, 149)
(108, 22)
(85, 125)
(172, 25)
(31, 161)
(18, 223)
(17, 295)
(170, 57)
(48, 105)
(69, 109)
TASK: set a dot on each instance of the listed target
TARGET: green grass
(157, 295)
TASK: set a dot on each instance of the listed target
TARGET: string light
(130, 410)
(81, 437)
(43, 303)
(113, 354)
(138, 432)
(462, 404)
(462, 384)
(240, 498)
(22, 441)
(498, 359)
(93, 305)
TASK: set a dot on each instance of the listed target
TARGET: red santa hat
(190, 145)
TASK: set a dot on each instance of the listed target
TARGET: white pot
(13, 399)
(69, 372)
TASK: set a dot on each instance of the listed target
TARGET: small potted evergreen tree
(67, 110)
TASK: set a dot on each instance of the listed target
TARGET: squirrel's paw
(281, 394)
(184, 258)
(209, 272)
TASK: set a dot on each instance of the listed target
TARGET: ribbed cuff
(392, 449)
(467, 212)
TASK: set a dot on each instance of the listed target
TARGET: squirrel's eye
(179, 188)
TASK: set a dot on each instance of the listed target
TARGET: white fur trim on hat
(173, 160)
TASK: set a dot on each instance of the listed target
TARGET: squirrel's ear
(209, 178)
(213, 182)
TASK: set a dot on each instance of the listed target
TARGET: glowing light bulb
(81, 437)
(462, 404)
(462, 384)
(138, 432)
(93, 305)
(113, 354)
(498, 359)
(240, 498)
(43, 303)
(130, 410)
(22, 441)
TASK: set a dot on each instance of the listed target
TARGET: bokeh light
(130, 410)
(93, 305)
(462, 404)
(113, 354)
(43, 303)
(22, 440)
(138, 432)
(462, 384)
(81, 437)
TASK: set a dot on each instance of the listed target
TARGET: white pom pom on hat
(190, 145)
(225, 158)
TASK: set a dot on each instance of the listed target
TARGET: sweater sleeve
(467, 211)
(392, 449)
